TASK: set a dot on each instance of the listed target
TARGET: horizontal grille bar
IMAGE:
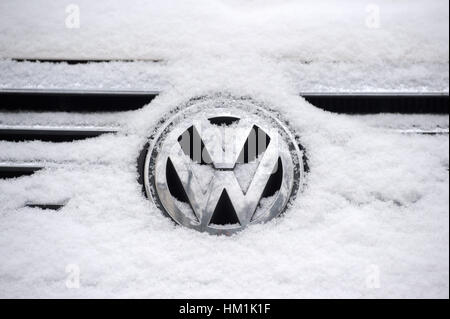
(82, 61)
(46, 206)
(73, 101)
(46, 134)
(380, 103)
(12, 171)
(108, 101)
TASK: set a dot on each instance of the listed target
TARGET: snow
(375, 203)
(152, 76)
(96, 76)
(410, 31)
(405, 121)
(325, 46)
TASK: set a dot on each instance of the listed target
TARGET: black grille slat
(46, 206)
(49, 135)
(82, 61)
(12, 171)
(380, 103)
(73, 101)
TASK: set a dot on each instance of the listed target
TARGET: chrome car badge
(221, 164)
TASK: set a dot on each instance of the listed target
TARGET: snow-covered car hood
(375, 202)
(317, 46)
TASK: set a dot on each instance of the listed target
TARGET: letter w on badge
(222, 147)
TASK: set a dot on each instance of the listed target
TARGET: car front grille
(72, 103)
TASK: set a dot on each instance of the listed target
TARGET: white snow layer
(373, 220)
(321, 45)
(407, 30)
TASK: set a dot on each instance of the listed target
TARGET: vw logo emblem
(220, 164)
